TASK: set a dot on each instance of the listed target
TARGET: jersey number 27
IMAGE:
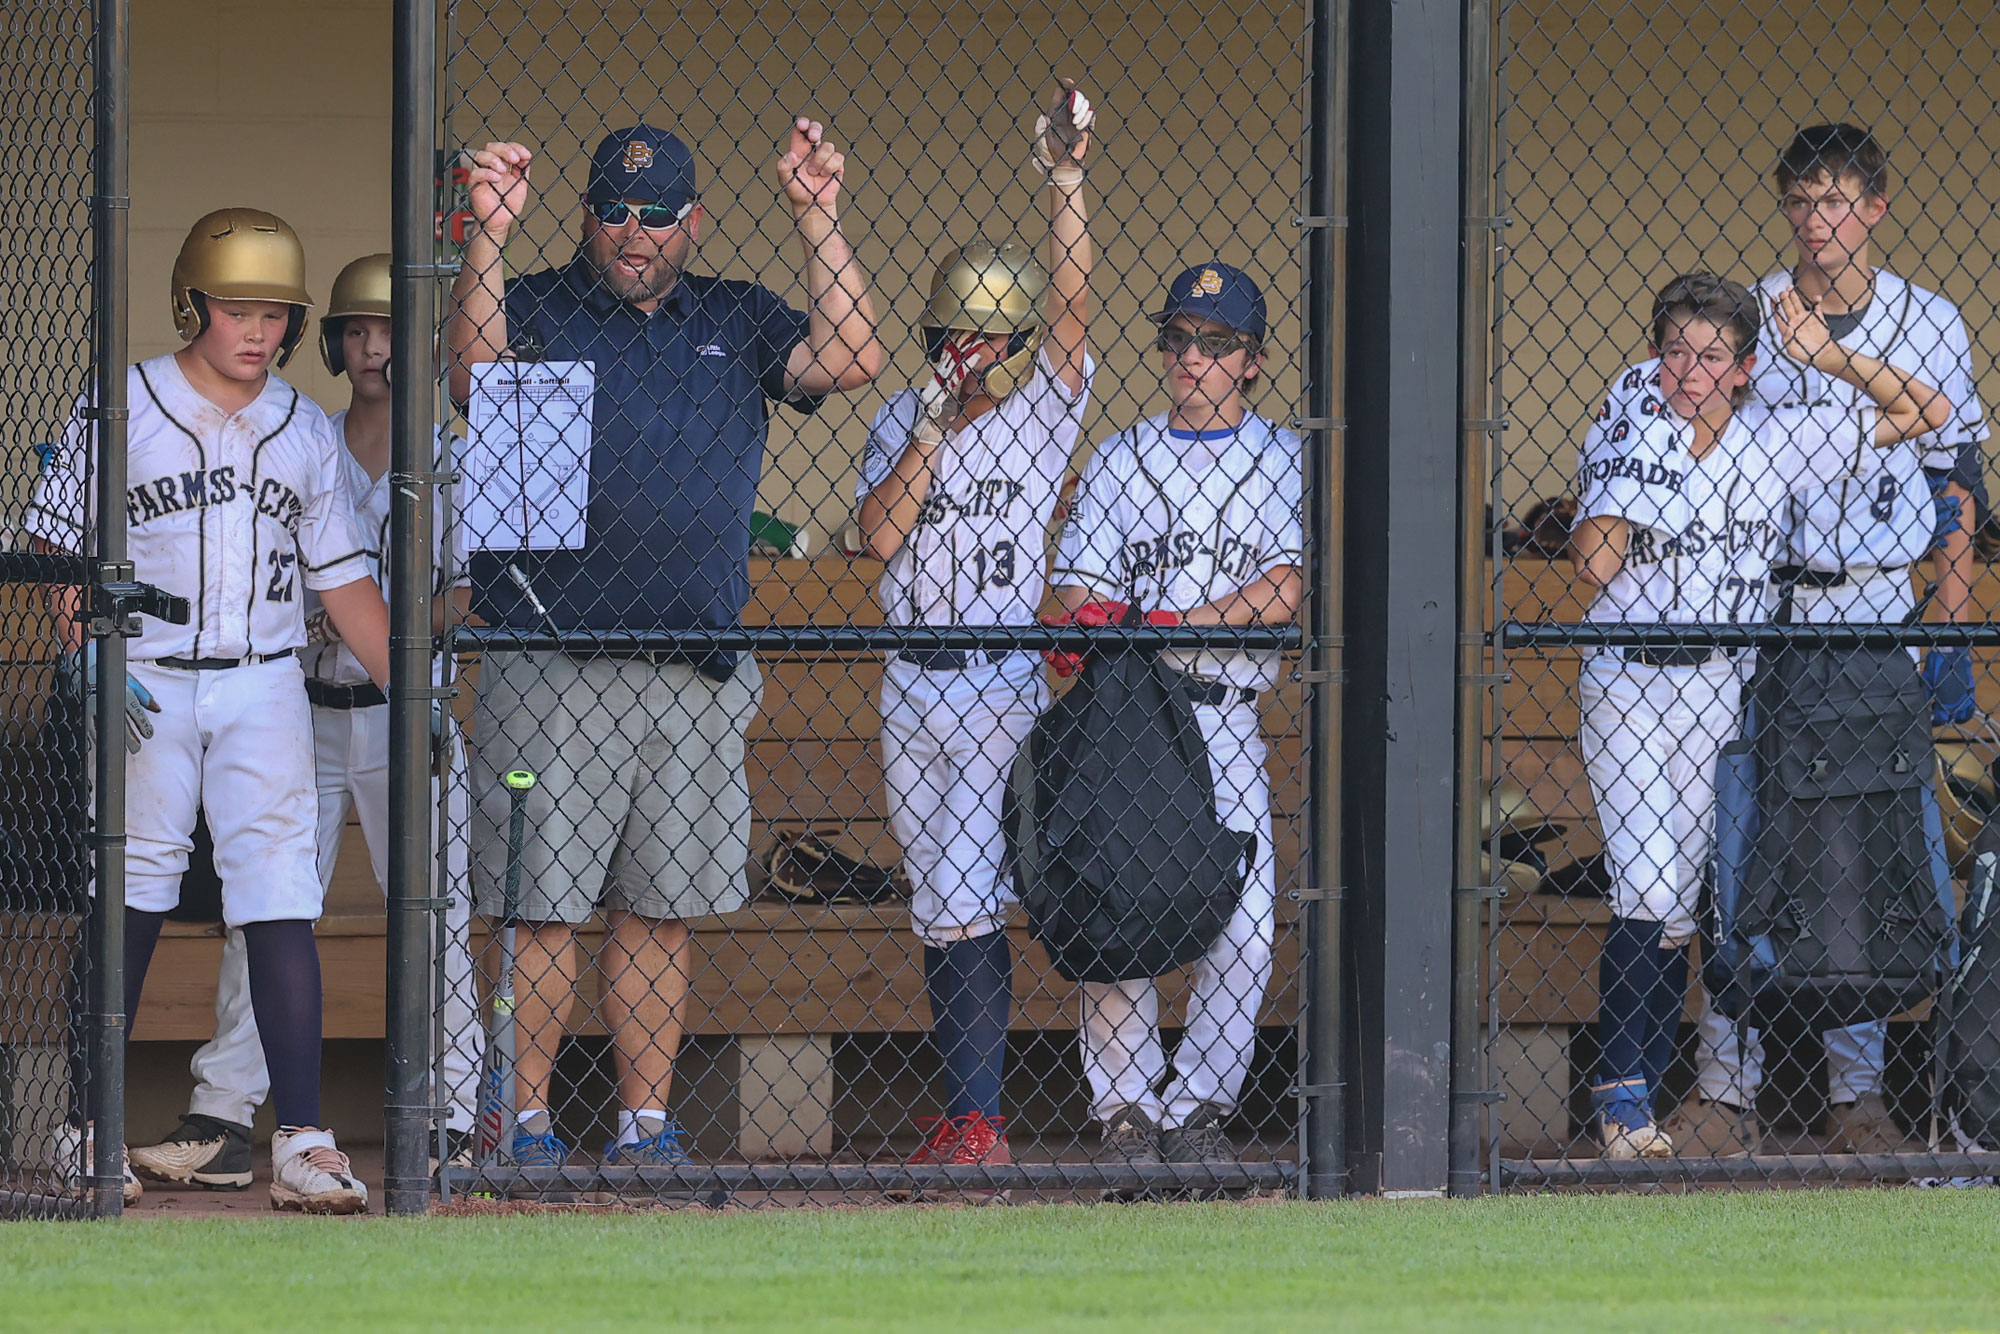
(283, 576)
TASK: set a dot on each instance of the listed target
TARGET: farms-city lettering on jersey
(1733, 537)
(984, 497)
(202, 488)
(1177, 551)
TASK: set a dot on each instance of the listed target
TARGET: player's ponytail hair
(1727, 305)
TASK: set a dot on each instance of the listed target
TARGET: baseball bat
(496, 1121)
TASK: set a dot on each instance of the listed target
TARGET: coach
(642, 809)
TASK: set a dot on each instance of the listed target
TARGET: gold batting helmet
(361, 289)
(985, 288)
(240, 254)
(1967, 798)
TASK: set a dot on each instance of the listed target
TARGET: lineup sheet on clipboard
(528, 463)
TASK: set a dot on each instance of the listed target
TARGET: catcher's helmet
(240, 254)
(985, 288)
(361, 289)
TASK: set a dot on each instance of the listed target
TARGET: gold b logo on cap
(1209, 284)
(638, 156)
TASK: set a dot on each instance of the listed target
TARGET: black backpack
(1839, 920)
(1126, 871)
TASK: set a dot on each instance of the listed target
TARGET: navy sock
(971, 987)
(142, 934)
(1664, 1017)
(285, 996)
(1627, 976)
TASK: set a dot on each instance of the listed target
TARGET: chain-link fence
(1743, 760)
(812, 378)
(60, 1025)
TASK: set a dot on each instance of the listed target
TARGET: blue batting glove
(80, 674)
(1947, 674)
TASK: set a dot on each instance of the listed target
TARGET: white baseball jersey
(1879, 511)
(336, 662)
(1914, 330)
(233, 511)
(1176, 519)
(975, 555)
(1704, 532)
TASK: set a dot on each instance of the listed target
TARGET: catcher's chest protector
(1130, 874)
(1840, 921)
(1971, 1005)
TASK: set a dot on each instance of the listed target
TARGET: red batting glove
(1064, 663)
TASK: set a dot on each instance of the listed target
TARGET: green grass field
(1887, 1259)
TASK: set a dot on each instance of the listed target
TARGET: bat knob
(519, 780)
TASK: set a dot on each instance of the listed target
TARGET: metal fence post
(1324, 1152)
(407, 1104)
(1399, 711)
(1469, 1091)
(110, 212)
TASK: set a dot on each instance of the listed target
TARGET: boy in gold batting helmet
(350, 720)
(958, 484)
(235, 500)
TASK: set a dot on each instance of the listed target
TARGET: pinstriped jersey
(236, 512)
(336, 662)
(1705, 532)
(1176, 519)
(975, 555)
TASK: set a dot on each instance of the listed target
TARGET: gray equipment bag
(1840, 921)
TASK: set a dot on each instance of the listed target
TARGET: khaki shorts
(640, 801)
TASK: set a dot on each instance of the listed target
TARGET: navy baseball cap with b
(1219, 292)
(641, 163)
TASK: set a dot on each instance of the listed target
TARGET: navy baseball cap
(641, 163)
(1219, 292)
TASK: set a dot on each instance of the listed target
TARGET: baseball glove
(805, 868)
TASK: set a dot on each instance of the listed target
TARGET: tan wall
(287, 107)
(1641, 137)
(1200, 158)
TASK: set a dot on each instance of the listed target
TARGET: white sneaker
(72, 1150)
(310, 1175)
(1623, 1143)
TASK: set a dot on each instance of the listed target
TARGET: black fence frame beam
(1400, 559)
(407, 1109)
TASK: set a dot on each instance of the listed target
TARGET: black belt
(220, 664)
(951, 659)
(330, 696)
(718, 665)
(1218, 693)
(1798, 576)
(1669, 655)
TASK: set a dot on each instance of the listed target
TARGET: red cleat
(964, 1141)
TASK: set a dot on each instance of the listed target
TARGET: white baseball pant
(351, 754)
(1650, 739)
(949, 741)
(1729, 1069)
(1122, 1054)
(236, 744)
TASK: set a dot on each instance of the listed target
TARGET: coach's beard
(649, 284)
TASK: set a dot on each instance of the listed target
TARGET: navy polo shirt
(679, 421)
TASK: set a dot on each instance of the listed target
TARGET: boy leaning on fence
(1194, 517)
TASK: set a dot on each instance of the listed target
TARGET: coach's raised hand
(810, 171)
(498, 185)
